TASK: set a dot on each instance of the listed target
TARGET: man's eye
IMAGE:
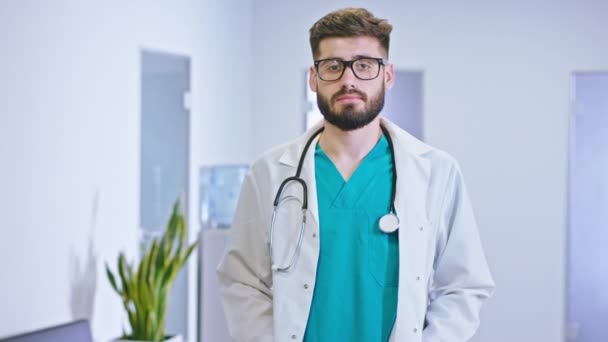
(331, 66)
(364, 65)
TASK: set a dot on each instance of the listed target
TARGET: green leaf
(138, 297)
(160, 262)
(169, 275)
(112, 280)
(142, 275)
(188, 252)
(182, 236)
(133, 322)
(171, 232)
(152, 265)
(161, 314)
(123, 276)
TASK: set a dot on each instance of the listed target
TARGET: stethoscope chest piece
(389, 223)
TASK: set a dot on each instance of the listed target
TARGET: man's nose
(349, 79)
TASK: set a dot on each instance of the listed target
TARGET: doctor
(373, 238)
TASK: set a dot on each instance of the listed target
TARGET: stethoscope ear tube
(302, 228)
(277, 198)
(303, 155)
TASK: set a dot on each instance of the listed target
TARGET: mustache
(349, 92)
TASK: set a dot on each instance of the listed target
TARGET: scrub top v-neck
(355, 296)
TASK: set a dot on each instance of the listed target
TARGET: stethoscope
(388, 223)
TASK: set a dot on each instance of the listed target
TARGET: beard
(349, 118)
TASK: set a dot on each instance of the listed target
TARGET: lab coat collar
(403, 143)
(413, 171)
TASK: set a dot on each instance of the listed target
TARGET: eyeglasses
(363, 68)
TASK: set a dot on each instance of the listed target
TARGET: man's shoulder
(413, 145)
(439, 157)
(273, 155)
(443, 166)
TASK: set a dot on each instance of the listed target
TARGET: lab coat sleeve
(461, 279)
(244, 273)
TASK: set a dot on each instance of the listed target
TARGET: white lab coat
(443, 274)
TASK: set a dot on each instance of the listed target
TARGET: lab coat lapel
(413, 175)
(413, 172)
(412, 182)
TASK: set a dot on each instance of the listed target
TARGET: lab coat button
(314, 235)
(421, 228)
(305, 286)
(415, 330)
(418, 278)
(293, 337)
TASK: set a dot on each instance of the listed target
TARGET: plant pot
(175, 338)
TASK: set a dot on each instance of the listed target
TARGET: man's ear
(389, 76)
(312, 79)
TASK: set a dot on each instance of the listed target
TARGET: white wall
(497, 77)
(69, 133)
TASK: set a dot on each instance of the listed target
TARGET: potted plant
(144, 290)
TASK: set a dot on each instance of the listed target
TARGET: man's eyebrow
(362, 56)
(354, 57)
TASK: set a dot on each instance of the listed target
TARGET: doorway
(165, 120)
(587, 298)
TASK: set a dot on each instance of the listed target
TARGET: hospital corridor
(265, 170)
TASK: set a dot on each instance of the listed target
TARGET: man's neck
(346, 149)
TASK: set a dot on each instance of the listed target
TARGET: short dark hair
(349, 22)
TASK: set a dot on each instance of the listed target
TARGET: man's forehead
(350, 47)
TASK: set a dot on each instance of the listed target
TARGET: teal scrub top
(355, 296)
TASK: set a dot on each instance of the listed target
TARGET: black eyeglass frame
(346, 64)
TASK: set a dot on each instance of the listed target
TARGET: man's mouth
(349, 97)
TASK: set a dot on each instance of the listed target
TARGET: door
(165, 86)
(588, 210)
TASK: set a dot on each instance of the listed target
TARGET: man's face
(350, 103)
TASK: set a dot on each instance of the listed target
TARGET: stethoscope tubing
(298, 178)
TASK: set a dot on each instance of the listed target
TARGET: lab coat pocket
(383, 256)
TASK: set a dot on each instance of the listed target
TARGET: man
(375, 239)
